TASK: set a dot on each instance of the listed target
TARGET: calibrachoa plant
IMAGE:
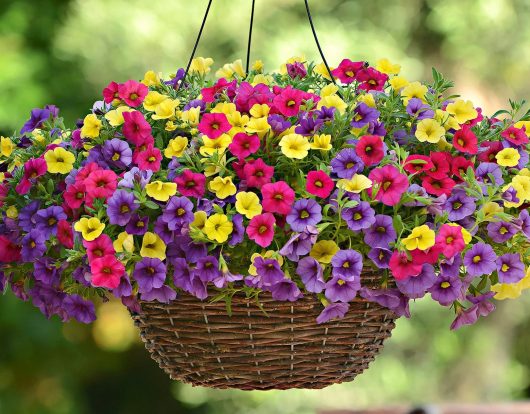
(282, 183)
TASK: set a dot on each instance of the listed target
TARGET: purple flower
(339, 289)
(308, 126)
(510, 268)
(459, 205)
(226, 278)
(124, 289)
(172, 169)
(45, 271)
(47, 220)
(363, 114)
(299, 244)
(80, 309)
(27, 217)
(347, 264)
(415, 287)
(465, 317)
(482, 303)
(501, 231)
(178, 212)
(435, 208)
(37, 118)
(285, 290)
(418, 109)
(325, 114)
(278, 123)
(48, 300)
(182, 274)
(269, 271)
(33, 246)
(3, 281)
(489, 173)
(510, 195)
(346, 163)
(162, 294)
(162, 229)
(377, 128)
(524, 222)
(296, 70)
(117, 153)
(137, 225)
(446, 289)
(207, 268)
(305, 212)
(360, 217)
(392, 299)
(238, 234)
(451, 267)
(480, 260)
(135, 176)
(121, 207)
(82, 274)
(380, 256)
(381, 233)
(416, 190)
(333, 311)
(195, 103)
(312, 274)
(150, 274)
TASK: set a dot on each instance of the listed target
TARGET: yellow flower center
(476, 259)
(505, 267)
(304, 214)
(445, 285)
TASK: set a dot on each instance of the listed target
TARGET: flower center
(341, 282)
(291, 103)
(346, 265)
(262, 229)
(51, 221)
(350, 165)
(115, 157)
(357, 216)
(381, 229)
(457, 205)
(449, 240)
(150, 270)
(505, 267)
(349, 73)
(445, 285)
(152, 159)
(386, 184)
(304, 214)
(180, 212)
(319, 184)
(278, 197)
(503, 230)
(368, 150)
(32, 244)
(133, 96)
(125, 209)
(215, 126)
(477, 259)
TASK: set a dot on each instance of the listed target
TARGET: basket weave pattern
(199, 343)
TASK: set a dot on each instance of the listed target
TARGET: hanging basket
(276, 345)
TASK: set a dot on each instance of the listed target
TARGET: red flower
(65, 234)
(488, 151)
(392, 184)
(370, 149)
(101, 184)
(441, 165)
(417, 164)
(403, 267)
(438, 186)
(74, 196)
(214, 125)
(244, 145)
(3, 193)
(210, 94)
(135, 128)
(9, 251)
(110, 93)
(248, 96)
(450, 239)
(516, 136)
(132, 93)
(257, 173)
(86, 171)
(430, 255)
(106, 272)
(148, 159)
(319, 184)
(261, 229)
(100, 247)
(191, 184)
(475, 121)
(288, 101)
(371, 79)
(465, 140)
(347, 70)
(459, 167)
(278, 197)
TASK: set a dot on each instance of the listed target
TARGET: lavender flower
(117, 153)
(510, 268)
(415, 287)
(501, 231)
(360, 217)
(47, 219)
(121, 207)
(392, 299)
(459, 205)
(480, 260)
(80, 309)
(238, 234)
(33, 246)
(347, 264)
(333, 311)
(339, 289)
(27, 217)
(489, 173)
(285, 290)
(178, 212)
(37, 118)
(269, 271)
(380, 256)
(446, 289)
(305, 212)
(381, 233)
(162, 294)
(308, 126)
(363, 114)
(137, 225)
(312, 274)
(135, 176)
(300, 244)
(207, 268)
(150, 274)
(346, 163)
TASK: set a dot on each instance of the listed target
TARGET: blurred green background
(65, 52)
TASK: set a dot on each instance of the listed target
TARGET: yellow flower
(153, 99)
(525, 124)
(201, 65)
(238, 122)
(166, 109)
(210, 146)
(321, 142)
(385, 66)
(294, 146)
(176, 147)
(151, 78)
(153, 246)
(90, 228)
(124, 243)
(91, 126)
(37, 135)
(356, 184)
(429, 130)
(525, 172)
(291, 60)
(321, 70)
(161, 191)
(248, 204)
(199, 219)
(523, 182)
(223, 187)
(367, 99)
(462, 110)
(170, 126)
(519, 190)
(231, 69)
(421, 237)
(398, 82)
(508, 157)
(257, 66)
(259, 111)
(414, 90)
(329, 90)
(506, 291)
(258, 126)
(491, 209)
(218, 228)
(12, 212)
(6, 146)
(446, 120)
(226, 108)
(260, 78)
(213, 168)
(191, 116)
(59, 161)
(269, 254)
(115, 117)
(333, 101)
(324, 250)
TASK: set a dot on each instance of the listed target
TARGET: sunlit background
(65, 52)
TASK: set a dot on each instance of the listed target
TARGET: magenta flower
(288, 101)
(261, 229)
(213, 125)
(135, 128)
(244, 145)
(191, 184)
(392, 184)
(347, 71)
(278, 197)
(132, 93)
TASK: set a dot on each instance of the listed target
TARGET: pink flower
(3, 193)
(371, 79)
(74, 196)
(135, 128)
(450, 239)
(9, 251)
(86, 171)
(244, 145)
(392, 184)
(191, 184)
(210, 94)
(319, 184)
(33, 169)
(133, 93)
(101, 184)
(106, 272)
(438, 186)
(466, 141)
(65, 234)
(248, 95)
(257, 173)
(417, 164)
(214, 125)
(516, 136)
(288, 101)
(347, 70)
(403, 267)
(430, 255)
(278, 197)
(370, 149)
(149, 159)
(111, 92)
(100, 247)
(261, 229)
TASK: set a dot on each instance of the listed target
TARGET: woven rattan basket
(199, 343)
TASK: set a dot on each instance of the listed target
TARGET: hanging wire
(196, 43)
(250, 37)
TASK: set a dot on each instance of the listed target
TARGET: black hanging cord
(196, 43)
(317, 42)
(250, 37)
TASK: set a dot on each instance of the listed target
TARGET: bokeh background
(64, 52)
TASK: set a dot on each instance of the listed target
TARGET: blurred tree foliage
(66, 51)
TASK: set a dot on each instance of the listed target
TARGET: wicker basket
(199, 343)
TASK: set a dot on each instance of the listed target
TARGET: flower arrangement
(283, 183)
